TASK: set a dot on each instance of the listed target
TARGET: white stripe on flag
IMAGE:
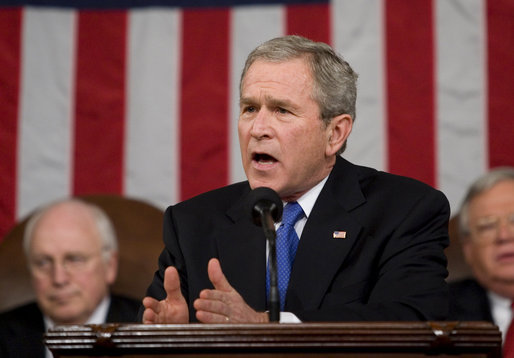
(358, 35)
(250, 26)
(44, 147)
(152, 141)
(461, 95)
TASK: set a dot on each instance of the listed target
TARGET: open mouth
(263, 158)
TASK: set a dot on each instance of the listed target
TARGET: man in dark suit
(71, 249)
(486, 227)
(370, 243)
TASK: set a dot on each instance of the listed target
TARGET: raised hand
(224, 304)
(172, 309)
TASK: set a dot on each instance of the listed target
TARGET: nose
(261, 125)
(505, 230)
(60, 275)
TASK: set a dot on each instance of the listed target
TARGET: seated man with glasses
(72, 255)
(486, 225)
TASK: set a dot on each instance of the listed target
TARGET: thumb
(217, 277)
(172, 285)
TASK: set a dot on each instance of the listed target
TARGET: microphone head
(264, 199)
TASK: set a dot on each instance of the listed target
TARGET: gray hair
(335, 82)
(109, 242)
(483, 183)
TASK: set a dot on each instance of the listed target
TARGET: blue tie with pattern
(287, 242)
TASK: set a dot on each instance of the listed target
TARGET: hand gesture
(172, 309)
(224, 304)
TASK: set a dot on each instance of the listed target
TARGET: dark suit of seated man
(486, 226)
(71, 249)
(371, 244)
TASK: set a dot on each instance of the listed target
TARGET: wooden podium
(362, 339)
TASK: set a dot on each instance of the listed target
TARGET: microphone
(266, 208)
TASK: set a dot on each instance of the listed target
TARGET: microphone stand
(271, 236)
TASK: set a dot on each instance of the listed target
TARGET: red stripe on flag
(500, 45)
(204, 101)
(10, 48)
(311, 21)
(410, 89)
(100, 102)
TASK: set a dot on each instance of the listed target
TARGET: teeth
(265, 161)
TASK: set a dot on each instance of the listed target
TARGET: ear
(338, 131)
(467, 250)
(111, 268)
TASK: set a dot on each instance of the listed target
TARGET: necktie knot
(292, 213)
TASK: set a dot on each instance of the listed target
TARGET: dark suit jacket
(390, 266)
(22, 328)
(469, 301)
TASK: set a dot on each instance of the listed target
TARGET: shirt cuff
(289, 317)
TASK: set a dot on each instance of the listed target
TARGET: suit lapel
(242, 254)
(319, 254)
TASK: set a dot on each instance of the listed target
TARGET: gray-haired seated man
(72, 254)
(486, 225)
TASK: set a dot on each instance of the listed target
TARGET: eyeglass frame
(486, 228)
(72, 263)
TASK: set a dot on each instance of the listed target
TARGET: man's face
(284, 143)
(490, 248)
(69, 273)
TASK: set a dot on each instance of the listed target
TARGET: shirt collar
(99, 315)
(308, 199)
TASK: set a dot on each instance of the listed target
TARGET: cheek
(482, 258)
(242, 129)
(243, 138)
(41, 286)
(91, 281)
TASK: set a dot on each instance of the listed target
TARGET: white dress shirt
(501, 312)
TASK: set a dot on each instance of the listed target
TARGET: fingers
(209, 317)
(172, 309)
(217, 277)
(151, 307)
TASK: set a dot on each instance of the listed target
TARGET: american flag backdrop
(141, 98)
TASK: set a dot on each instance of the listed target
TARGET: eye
(486, 227)
(42, 263)
(249, 109)
(75, 260)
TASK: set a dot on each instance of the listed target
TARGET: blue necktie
(287, 242)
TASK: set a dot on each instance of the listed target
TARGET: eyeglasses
(71, 263)
(487, 228)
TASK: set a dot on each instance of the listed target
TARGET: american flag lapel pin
(339, 234)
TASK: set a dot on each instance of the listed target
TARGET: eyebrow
(270, 102)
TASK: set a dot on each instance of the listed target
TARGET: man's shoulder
(466, 288)
(468, 301)
(373, 181)
(21, 331)
(29, 311)
(21, 322)
(124, 301)
(123, 309)
(218, 199)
